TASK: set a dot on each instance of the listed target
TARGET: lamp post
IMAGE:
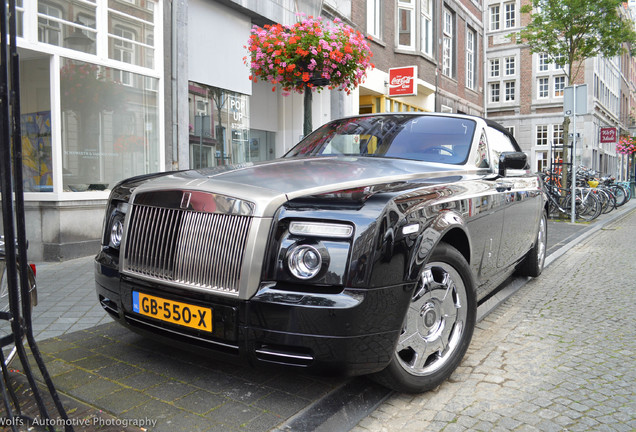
(308, 8)
(77, 40)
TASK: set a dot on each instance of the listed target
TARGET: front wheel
(532, 264)
(438, 326)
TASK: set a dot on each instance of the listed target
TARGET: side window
(481, 158)
(498, 143)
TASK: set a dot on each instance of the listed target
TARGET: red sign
(402, 81)
(608, 135)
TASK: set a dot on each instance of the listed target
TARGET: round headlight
(304, 261)
(116, 232)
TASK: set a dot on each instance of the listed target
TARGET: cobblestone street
(559, 355)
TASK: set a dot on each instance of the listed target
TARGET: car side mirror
(512, 160)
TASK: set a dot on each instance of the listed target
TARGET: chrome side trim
(280, 354)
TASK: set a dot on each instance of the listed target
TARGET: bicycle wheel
(588, 206)
(609, 200)
(619, 193)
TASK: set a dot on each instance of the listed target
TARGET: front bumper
(352, 332)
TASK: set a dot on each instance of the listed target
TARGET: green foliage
(576, 30)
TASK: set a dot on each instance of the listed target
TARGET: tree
(308, 56)
(572, 31)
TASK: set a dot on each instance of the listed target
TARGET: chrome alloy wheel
(435, 322)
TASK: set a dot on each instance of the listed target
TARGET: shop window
(70, 24)
(219, 128)
(109, 131)
(19, 12)
(131, 35)
(35, 123)
(49, 23)
(124, 51)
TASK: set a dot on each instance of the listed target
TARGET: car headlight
(304, 261)
(114, 229)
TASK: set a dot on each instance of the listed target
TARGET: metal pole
(572, 167)
(201, 143)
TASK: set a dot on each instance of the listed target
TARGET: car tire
(532, 264)
(438, 325)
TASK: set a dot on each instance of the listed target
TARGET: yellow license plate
(183, 314)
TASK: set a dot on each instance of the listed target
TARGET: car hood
(269, 184)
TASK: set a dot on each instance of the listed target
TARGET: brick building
(525, 93)
(443, 39)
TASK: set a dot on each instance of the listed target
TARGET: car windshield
(424, 138)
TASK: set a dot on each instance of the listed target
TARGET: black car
(364, 250)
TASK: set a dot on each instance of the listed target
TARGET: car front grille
(189, 248)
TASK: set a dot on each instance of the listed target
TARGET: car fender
(448, 226)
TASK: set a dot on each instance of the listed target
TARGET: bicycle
(587, 205)
(6, 333)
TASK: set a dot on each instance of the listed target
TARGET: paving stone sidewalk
(559, 355)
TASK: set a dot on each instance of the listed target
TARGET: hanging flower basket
(310, 54)
(626, 145)
(86, 87)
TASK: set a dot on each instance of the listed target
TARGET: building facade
(442, 39)
(117, 88)
(525, 92)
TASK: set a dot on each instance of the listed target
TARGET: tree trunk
(307, 126)
(566, 153)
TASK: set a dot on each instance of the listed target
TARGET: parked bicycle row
(594, 195)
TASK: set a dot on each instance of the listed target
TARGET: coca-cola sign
(402, 81)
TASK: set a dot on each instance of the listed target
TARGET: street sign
(609, 135)
(581, 100)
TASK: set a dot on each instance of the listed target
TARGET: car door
(487, 219)
(518, 194)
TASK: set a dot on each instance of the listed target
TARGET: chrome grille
(201, 250)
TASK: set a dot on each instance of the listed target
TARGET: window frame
(493, 62)
(543, 88)
(471, 64)
(494, 17)
(509, 15)
(374, 18)
(47, 26)
(510, 91)
(559, 86)
(494, 93)
(425, 28)
(541, 135)
(448, 27)
(406, 6)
